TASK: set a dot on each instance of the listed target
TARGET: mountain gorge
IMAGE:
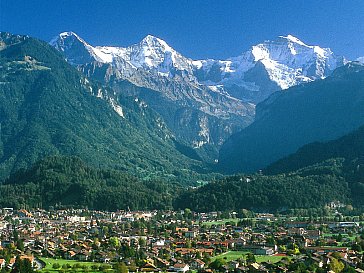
(155, 74)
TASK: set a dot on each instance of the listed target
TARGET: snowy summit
(252, 76)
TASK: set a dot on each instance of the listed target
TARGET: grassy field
(219, 222)
(230, 255)
(234, 255)
(266, 258)
(49, 264)
(344, 236)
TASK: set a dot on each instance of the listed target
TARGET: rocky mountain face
(48, 108)
(203, 102)
(319, 111)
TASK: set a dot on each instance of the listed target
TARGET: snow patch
(196, 144)
(294, 40)
(99, 93)
(360, 60)
(117, 108)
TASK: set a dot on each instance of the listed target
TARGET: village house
(197, 264)
(258, 250)
(30, 258)
(2, 263)
(180, 268)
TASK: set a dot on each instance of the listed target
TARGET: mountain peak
(67, 34)
(77, 50)
(293, 39)
(292, 53)
(360, 60)
(153, 41)
(285, 61)
(60, 38)
(150, 37)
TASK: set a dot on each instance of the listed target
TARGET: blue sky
(196, 28)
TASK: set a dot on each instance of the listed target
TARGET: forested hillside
(311, 187)
(68, 181)
(48, 108)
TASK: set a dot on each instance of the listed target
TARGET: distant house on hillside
(69, 255)
(30, 258)
(325, 249)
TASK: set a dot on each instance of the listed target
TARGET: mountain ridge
(349, 146)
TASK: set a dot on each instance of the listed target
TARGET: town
(81, 240)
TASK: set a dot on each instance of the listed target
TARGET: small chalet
(197, 264)
(2, 263)
(180, 268)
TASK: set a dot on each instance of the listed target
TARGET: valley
(140, 127)
(181, 136)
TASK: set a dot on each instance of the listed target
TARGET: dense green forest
(68, 181)
(315, 175)
(310, 187)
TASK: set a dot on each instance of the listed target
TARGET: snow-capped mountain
(255, 74)
(360, 60)
(202, 101)
(151, 54)
(156, 74)
(76, 50)
(268, 67)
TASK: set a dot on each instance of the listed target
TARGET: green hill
(68, 181)
(48, 108)
(310, 187)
